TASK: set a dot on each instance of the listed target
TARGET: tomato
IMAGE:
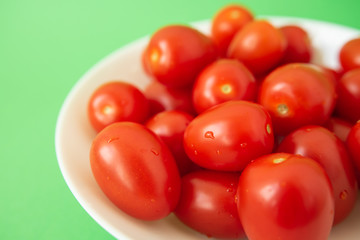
(222, 81)
(296, 95)
(116, 101)
(348, 103)
(207, 204)
(339, 127)
(349, 55)
(299, 48)
(175, 54)
(332, 155)
(162, 98)
(353, 146)
(135, 170)
(170, 127)
(226, 23)
(259, 45)
(227, 136)
(277, 201)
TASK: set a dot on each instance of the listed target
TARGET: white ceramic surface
(74, 135)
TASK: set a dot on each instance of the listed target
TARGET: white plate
(74, 134)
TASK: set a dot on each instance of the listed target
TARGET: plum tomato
(339, 127)
(353, 146)
(276, 201)
(170, 127)
(114, 102)
(297, 94)
(222, 81)
(207, 204)
(299, 48)
(135, 170)
(332, 155)
(229, 135)
(348, 102)
(175, 54)
(226, 23)
(349, 55)
(259, 45)
(162, 98)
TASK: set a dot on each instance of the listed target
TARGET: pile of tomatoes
(238, 134)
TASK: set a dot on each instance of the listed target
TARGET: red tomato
(350, 54)
(135, 170)
(333, 157)
(222, 81)
(259, 45)
(299, 48)
(229, 135)
(340, 127)
(207, 204)
(170, 127)
(176, 54)
(296, 95)
(115, 102)
(162, 98)
(276, 201)
(353, 146)
(348, 103)
(226, 23)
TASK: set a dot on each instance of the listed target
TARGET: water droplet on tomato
(230, 190)
(155, 152)
(112, 139)
(195, 152)
(343, 195)
(209, 134)
(218, 152)
(243, 145)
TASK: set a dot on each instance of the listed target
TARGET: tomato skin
(349, 55)
(353, 146)
(176, 54)
(259, 45)
(296, 95)
(215, 139)
(332, 155)
(226, 23)
(222, 81)
(170, 127)
(116, 101)
(135, 170)
(339, 127)
(348, 103)
(276, 201)
(207, 204)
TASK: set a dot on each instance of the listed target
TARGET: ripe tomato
(296, 95)
(226, 23)
(348, 103)
(135, 170)
(222, 81)
(207, 204)
(276, 201)
(114, 102)
(299, 48)
(339, 127)
(349, 55)
(259, 45)
(333, 157)
(176, 54)
(170, 127)
(227, 136)
(353, 146)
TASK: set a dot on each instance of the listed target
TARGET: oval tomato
(277, 201)
(349, 55)
(227, 136)
(135, 170)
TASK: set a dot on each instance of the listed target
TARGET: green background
(45, 47)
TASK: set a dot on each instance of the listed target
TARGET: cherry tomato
(353, 146)
(162, 98)
(227, 136)
(339, 127)
(348, 103)
(135, 170)
(207, 204)
(333, 157)
(116, 101)
(170, 127)
(222, 81)
(226, 23)
(176, 54)
(277, 201)
(349, 55)
(259, 45)
(299, 48)
(296, 95)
